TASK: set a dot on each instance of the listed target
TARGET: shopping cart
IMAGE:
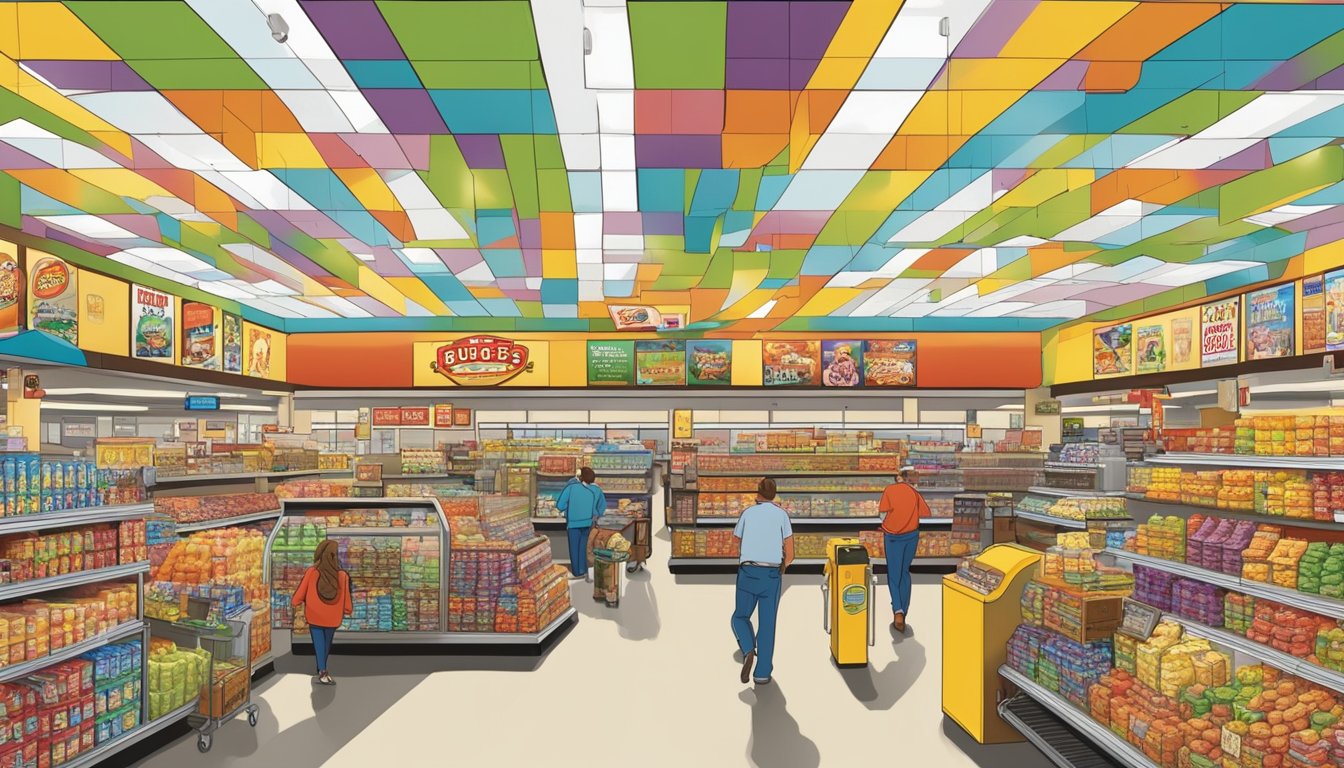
(606, 558)
(227, 691)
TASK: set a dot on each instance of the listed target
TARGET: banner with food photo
(257, 350)
(1269, 322)
(791, 363)
(1334, 311)
(231, 339)
(1219, 332)
(1313, 315)
(1113, 350)
(842, 363)
(53, 296)
(660, 363)
(1152, 348)
(199, 336)
(151, 324)
(709, 362)
(11, 288)
(889, 363)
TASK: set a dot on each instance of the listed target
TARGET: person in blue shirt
(765, 538)
(581, 501)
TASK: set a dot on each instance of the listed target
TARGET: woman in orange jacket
(324, 594)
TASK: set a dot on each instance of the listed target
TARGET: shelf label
(1231, 743)
(1139, 620)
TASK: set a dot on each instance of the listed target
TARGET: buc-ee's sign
(481, 361)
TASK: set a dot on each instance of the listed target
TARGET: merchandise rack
(1062, 522)
(1116, 748)
(1306, 601)
(1250, 461)
(861, 522)
(1072, 493)
(228, 522)
(1063, 745)
(729, 564)
(297, 508)
(1185, 510)
(242, 476)
(138, 627)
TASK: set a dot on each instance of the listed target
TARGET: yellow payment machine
(848, 596)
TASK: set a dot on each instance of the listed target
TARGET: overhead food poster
(1113, 350)
(1334, 311)
(709, 362)
(11, 288)
(53, 296)
(791, 363)
(1218, 332)
(232, 343)
(151, 324)
(1152, 348)
(1313, 315)
(257, 346)
(889, 363)
(1269, 322)
(842, 363)
(199, 336)
(611, 362)
(1182, 341)
(660, 363)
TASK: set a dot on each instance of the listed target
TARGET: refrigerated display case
(425, 570)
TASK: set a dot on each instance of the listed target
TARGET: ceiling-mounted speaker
(587, 41)
(945, 26)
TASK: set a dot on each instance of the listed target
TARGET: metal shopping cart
(607, 555)
(227, 690)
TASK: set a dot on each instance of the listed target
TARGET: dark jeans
(578, 550)
(322, 639)
(900, 554)
(758, 590)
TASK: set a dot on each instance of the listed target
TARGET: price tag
(1139, 620)
(1231, 743)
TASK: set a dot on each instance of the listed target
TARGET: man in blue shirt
(765, 538)
(581, 501)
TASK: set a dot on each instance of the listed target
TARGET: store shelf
(185, 479)
(1241, 460)
(107, 749)
(450, 638)
(1119, 749)
(405, 530)
(122, 632)
(427, 476)
(70, 517)
(549, 523)
(1050, 520)
(18, 589)
(226, 522)
(1174, 507)
(1073, 493)
(621, 472)
(1272, 656)
(927, 491)
(731, 562)
(866, 522)
(1064, 746)
(779, 474)
(1290, 597)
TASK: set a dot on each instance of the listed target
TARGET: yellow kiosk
(981, 608)
(847, 592)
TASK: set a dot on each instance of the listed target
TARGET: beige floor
(652, 683)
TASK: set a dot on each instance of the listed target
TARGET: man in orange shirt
(902, 507)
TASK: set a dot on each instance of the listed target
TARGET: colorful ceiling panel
(792, 165)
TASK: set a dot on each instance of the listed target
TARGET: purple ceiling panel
(353, 28)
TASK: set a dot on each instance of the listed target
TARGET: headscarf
(328, 571)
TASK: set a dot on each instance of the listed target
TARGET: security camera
(279, 29)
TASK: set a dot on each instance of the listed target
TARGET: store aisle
(652, 683)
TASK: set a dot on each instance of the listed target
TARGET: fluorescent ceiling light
(421, 255)
(89, 226)
(156, 394)
(248, 408)
(1194, 393)
(1100, 408)
(94, 407)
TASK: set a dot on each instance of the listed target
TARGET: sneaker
(572, 577)
(326, 679)
(898, 623)
(747, 662)
(761, 680)
(588, 577)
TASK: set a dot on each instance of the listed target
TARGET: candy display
(710, 463)
(1099, 508)
(423, 461)
(198, 509)
(732, 504)
(748, 483)
(224, 556)
(40, 556)
(1162, 537)
(314, 489)
(1264, 436)
(1198, 601)
(30, 485)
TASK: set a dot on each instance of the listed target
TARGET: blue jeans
(578, 550)
(900, 554)
(758, 590)
(322, 639)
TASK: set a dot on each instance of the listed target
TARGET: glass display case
(465, 568)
